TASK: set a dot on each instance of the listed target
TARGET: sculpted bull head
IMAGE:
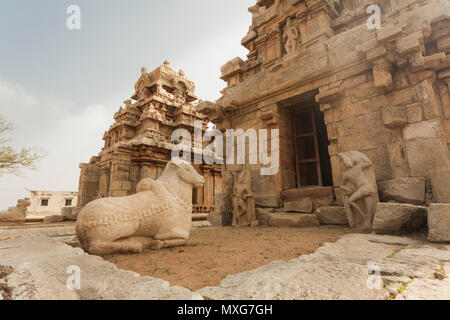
(186, 173)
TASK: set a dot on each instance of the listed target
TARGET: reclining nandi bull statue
(158, 215)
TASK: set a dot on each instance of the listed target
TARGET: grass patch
(403, 287)
(394, 253)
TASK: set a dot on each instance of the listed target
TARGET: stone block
(443, 44)
(414, 113)
(423, 130)
(403, 190)
(339, 194)
(320, 196)
(389, 33)
(303, 206)
(220, 219)
(332, 216)
(395, 218)
(266, 200)
(410, 43)
(71, 214)
(426, 156)
(440, 183)
(439, 222)
(263, 215)
(394, 116)
(382, 76)
(397, 160)
(54, 219)
(446, 125)
(292, 220)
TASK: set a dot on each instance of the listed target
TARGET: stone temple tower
(138, 145)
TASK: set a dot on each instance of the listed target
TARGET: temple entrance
(312, 160)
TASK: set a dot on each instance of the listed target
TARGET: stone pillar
(224, 199)
(148, 171)
(104, 182)
(88, 184)
(382, 75)
(217, 184)
(200, 193)
(120, 183)
(208, 189)
(327, 99)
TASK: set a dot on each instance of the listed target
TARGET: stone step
(201, 224)
(332, 216)
(303, 206)
(320, 196)
(200, 216)
(292, 220)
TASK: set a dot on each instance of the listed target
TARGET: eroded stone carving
(243, 202)
(360, 189)
(290, 37)
(159, 215)
(17, 213)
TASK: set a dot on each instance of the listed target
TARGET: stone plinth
(332, 216)
(440, 182)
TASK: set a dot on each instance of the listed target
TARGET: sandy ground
(214, 253)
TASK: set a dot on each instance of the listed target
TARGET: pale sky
(61, 88)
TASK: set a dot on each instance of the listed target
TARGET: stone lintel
(329, 95)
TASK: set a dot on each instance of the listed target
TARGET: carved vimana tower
(138, 145)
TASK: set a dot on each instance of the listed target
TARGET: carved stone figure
(151, 113)
(290, 37)
(243, 202)
(360, 189)
(17, 213)
(159, 215)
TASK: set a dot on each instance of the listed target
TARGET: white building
(50, 203)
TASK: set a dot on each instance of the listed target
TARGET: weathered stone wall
(88, 184)
(383, 92)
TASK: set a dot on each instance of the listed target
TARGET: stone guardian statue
(243, 203)
(360, 189)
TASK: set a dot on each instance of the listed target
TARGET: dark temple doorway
(310, 142)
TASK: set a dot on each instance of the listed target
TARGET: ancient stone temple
(138, 145)
(330, 83)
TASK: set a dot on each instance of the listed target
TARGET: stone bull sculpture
(159, 215)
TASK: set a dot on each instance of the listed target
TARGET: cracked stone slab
(428, 289)
(41, 272)
(7, 233)
(342, 270)
(407, 270)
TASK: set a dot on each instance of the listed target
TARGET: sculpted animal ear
(172, 165)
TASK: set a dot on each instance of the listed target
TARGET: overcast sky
(60, 88)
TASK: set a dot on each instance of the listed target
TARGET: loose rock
(394, 218)
(332, 216)
(292, 220)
